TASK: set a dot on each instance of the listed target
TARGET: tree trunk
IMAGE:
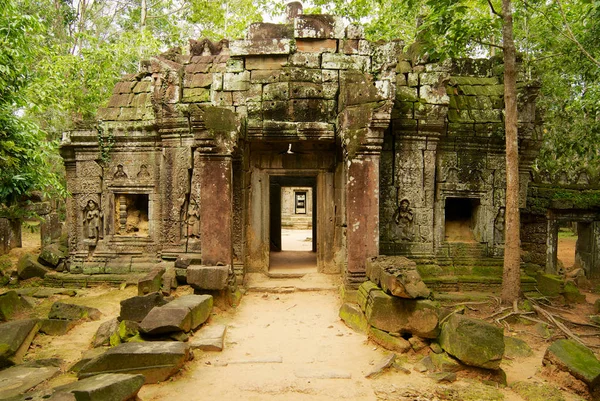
(511, 278)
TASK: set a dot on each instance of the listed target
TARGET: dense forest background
(59, 60)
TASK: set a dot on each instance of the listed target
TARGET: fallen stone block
(104, 332)
(576, 359)
(136, 308)
(387, 341)
(354, 317)
(51, 256)
(157, 361)
(208, 277)
(419, 317)
(439, 377)
(28, 267)
(398, 276)
(56, 327)
(10, 304)
(87, 356)
(46, 395)
(61, 310)
(382, 365)
(151, 282)
(516, 348)
(472, 341)
(209, 338)
(445, 363)
(549, 284)
(106, 387)
(15, 338)
(183, 314)
(19, 379)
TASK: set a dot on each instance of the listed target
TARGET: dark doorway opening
(460, 219)
(292, 225)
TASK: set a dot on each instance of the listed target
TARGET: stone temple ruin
(402, 156)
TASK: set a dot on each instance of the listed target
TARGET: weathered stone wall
(446, 141)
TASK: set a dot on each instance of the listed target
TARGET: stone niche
(131, 214)
(461, 217)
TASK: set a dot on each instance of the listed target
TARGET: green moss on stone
(537, 391)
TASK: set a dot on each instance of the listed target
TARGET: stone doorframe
(328, 233)
(587, 251)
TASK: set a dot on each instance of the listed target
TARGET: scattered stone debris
(136, 308)
(152, 282)
(106, 387)
(19, 379)
(10, 304)
(381, 366)
(157, 361)
(209, 338)
(576, 359)
(15, 338)
(28, 267)
(354, 317)
(397, 276)
(183, 314)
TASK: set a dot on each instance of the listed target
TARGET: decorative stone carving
(404, 219)
(499, 227)
(192, 221)
(92, 220)
(120, 173)
(143, 173)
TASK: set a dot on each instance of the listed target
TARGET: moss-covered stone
(387, 341)
(537, 391)
(445, 363)
(516, 348)
(474, 391)
(572, 294)
(474, 342)
(576, 359)
(549, 284)
(354, 317)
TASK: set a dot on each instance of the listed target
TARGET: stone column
(216, 208)
(362, 213)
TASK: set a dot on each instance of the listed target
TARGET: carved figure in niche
(499, 227)
(403, 217)
(120, 173)
(143, 172)
(193, 220)
(93, 220)
(452, 175)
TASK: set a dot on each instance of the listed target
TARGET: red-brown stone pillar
(216, 208)
(362, 214)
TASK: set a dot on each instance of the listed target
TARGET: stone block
(61, 310)
(236, 81)
(576, 359)
(15, 338)
(354, 317)
(56, 327)
(136, 308)
(157, 361)
(306, 90)
(516, 348)
(184, 314)
(472, 341)
(276, 91)
(259, 47)
(444, 363)
(51, 256)
(308, 60)
(549, 284)
(397, 276)
(267, 63)
(28, 267)
(10, 303)
(196, 95)
(264, 76)
(151, 282)
(106, 387)
(19, 379)
(209, 338)
(104, 333)
(393, 343)
(572, 294)
(208, 277)
(399, 315)
(336, 61)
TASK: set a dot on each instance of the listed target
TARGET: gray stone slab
(86, 357)
(106, 387)
(19, 379)
(183, 314)
(208, 277)
(62, 310)
(15, 338)
(209, 338)
(157, 361)
(136, 308)
(56, 327)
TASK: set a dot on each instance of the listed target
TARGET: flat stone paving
(280, 346)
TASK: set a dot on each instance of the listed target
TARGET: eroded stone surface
(136, 308)
(576, 359)
(106, 387)
(157, 361)
(209, 338)
(61, 310)
(15, 338)
(18, 379)
(183, 314)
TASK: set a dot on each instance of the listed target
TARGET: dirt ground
(285, 341)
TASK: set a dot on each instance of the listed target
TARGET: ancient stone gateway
(402, 156)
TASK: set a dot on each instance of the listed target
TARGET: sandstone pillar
(362, 213)
(216, 208)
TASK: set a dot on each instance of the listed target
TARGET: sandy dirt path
(288, 346)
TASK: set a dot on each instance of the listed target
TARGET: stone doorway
(461, 219)
(292, 220)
